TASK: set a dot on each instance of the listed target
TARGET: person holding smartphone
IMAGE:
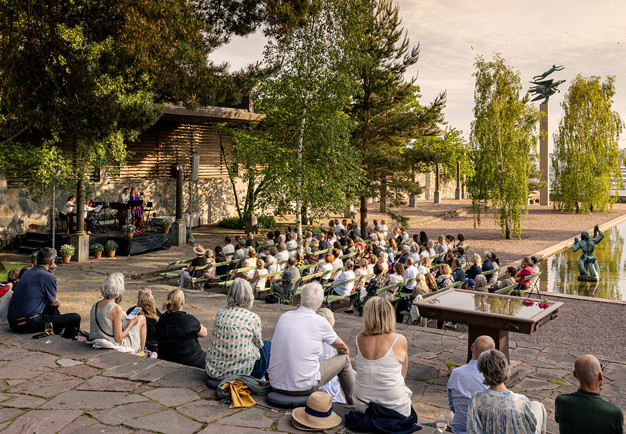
(108, 321)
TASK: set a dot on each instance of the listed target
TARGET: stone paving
(66, 386)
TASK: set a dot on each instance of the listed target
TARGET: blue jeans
(261, 365)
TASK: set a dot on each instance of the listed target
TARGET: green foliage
(129, 228)
(231, 223)
(402, 220)
(266, 221)
(586, 145)
(167, 224)
(503, 144)
(110, 246)
(444, 150)
(89, 76)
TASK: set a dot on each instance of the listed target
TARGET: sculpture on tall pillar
(544, 89)
(587, 263)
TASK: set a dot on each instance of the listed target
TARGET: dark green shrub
(231, 223)
(266, 221)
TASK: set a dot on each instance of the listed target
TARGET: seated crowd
(306, 354)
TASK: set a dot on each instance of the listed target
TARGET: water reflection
(488, 303)
(560, 272)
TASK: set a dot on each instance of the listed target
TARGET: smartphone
(133, 313)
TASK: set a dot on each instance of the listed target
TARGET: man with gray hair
(35, 303)
(584, 411)
(464, 381)
(282, 254)
(297, 345)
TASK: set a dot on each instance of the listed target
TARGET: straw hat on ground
(317, 415)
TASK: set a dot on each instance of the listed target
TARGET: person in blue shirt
(35, 303)
(464, 381)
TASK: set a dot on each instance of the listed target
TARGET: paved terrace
(66, 386)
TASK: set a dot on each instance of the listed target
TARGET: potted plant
(110, 247)
(188, 236)
(97, 249)
(67, 251)
(33, 257)
(129, 230)
(166, 226)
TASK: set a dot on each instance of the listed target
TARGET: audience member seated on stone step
(381, 360)
(371, 289)
(584, 411)
(449, 259)
(178, 333)
(481, 283)
(507, 281)
(326, 266)
(6, 293)
(236, 346)
(450, 242)
(242, 250)
(108, 321)
(497, 409)
(257, 277)
(34, 302)
(188, 272)
(297, 345)
(283, 283)
(146, 302)
(464, 382)
(332, 387)
(475, 267)
(345, 289)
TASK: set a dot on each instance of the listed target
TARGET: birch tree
(503, 143)
(586, 147)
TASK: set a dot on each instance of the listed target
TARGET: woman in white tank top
(381, 360)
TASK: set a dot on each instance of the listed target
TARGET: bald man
(585, 411)
(465, 381)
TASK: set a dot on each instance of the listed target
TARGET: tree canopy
(586, 147)
(387, 113)
(503, 144)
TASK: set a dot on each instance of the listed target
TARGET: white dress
(103, 327)
(381, 381)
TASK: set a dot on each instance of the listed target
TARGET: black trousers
(68, 324)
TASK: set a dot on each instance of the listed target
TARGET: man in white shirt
(410, 273)
(297, 345)
(282, 255)
(347, 274)
(228, 247)
(464, 382)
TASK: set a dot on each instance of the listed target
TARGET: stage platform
(146, 242)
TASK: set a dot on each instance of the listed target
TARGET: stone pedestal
(457, 194)
(437, 196)
(544, 158)
(179, 233)
(80, 241)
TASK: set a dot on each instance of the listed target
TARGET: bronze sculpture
(544, 89)
(587, 264)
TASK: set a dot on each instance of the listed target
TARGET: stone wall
(427, 181)
(213, 200)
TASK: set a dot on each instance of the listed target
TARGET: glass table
(488, 314)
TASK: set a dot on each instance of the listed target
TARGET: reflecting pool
(559, 273)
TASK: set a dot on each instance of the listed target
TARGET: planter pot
(97, 255)
(129, 235)
(111, 253)
(66, 259)
(188, 240)
(166, 229)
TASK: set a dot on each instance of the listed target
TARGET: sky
(585, 37)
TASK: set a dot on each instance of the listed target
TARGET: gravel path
(583, 326)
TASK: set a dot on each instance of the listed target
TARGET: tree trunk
(249, 217)
(383, 197)
(363, 212)
(507, 230)
(305, 217)
(299, 157)
(80, 207)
